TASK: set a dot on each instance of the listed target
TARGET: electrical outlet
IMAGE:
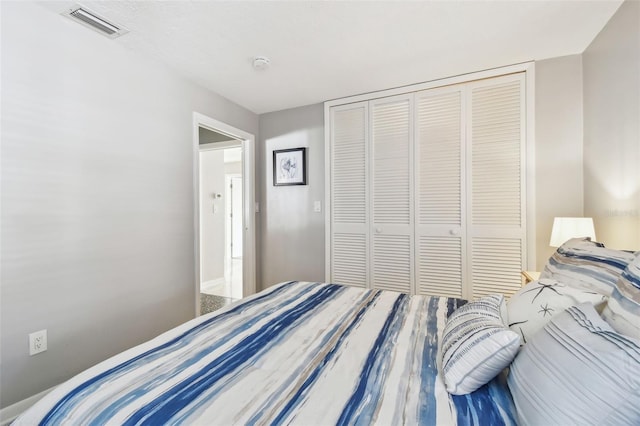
(37, 342)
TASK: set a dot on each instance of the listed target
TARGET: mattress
(296, 353)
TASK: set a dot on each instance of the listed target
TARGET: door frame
(247, 141)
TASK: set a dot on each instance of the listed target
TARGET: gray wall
(558, 171)
(97, 205)
(612, 129)
(292, 234)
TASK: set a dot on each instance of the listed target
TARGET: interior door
(440, 215)
(496, 196)
(349, 194)
(236, 217)
(392, 193)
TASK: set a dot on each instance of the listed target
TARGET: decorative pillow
(623, 309)
(476, 344)
(576, 371)
(586, 264)
(536, 303)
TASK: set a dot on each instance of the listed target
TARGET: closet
(426, 190)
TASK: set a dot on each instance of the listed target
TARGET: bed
(296, 353)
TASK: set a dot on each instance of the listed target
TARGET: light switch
(317, 207)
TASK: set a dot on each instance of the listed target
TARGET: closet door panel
(497, 228)
(496, 264)
(440, 217)
(349, 195)
(392, 193)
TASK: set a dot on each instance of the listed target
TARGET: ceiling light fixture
(261, 63)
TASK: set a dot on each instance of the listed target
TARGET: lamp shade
(565, 228)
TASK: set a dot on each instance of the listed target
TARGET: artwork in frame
(289, 167)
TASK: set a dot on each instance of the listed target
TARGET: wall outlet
(37, 342)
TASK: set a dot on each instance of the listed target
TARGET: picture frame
(290, 167)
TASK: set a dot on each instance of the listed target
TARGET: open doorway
(233, 230)
(221, 206)
(224, 194)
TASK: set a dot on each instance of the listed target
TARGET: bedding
(587, 265)
(477, 344)
(296, 353)
(623, 309)
(531, 307)
(577, 371)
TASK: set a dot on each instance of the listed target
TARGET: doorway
(221, 206)
(224, 213)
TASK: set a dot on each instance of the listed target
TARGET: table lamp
(565, 228)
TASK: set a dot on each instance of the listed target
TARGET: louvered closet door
(349, 199)
(440, 216)
(497, 229)
(392, 193)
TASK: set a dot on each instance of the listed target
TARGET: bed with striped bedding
(296, 353)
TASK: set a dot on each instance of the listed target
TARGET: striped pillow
(623, 309)
(576, 371)
(477, 344)
(587, 265)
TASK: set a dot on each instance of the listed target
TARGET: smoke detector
(92, 20)
(261, 63)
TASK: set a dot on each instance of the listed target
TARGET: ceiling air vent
(95, 22)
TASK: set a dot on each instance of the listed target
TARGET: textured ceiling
(323, 50)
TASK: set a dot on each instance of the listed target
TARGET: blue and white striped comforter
(299, 353)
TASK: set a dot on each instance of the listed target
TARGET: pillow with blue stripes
(588, 265)
(623, 309)
(477, 344)
(577, 370)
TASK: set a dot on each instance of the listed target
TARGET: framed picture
(289, 167)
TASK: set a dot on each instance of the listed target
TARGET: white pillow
(536, 303)
(623, 309)
(476, 344)
(577, 370)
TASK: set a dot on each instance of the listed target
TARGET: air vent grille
(95, 22)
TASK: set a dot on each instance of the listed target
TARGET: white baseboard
(9, 414)
(210, 285)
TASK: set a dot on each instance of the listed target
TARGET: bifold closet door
(391, 123)
(496, 232)
(349, 195)
(440, 215)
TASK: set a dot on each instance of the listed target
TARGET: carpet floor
(210, 303)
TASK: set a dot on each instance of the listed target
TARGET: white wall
(612, 129)
(212, 224)
(234, 168)
(292, 237)
(559, 182)
(97, 205)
